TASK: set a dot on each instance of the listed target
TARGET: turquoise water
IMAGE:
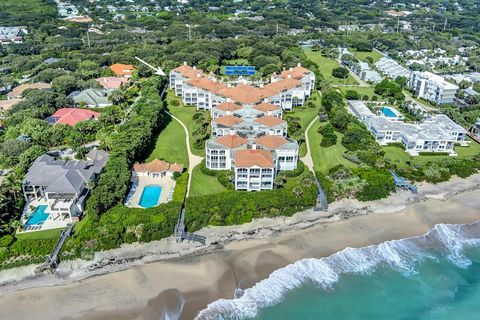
(389, 112)
(150, 196)
(433, 277)
(38, 216)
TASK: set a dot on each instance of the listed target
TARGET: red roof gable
(72, 116)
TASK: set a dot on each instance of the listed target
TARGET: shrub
(397, 145)
(378, 183)
(298, 170)
(340, 72)
(175, 103)
(180, 188)
(329, 138)
(352, 95)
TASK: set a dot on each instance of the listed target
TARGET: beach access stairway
(322, 202)
(401, 182)
(52, 259)
(181, 234)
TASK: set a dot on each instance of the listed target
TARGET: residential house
(72, 116)
(10, 35)
(111, 83)
(362, 69)
(157, 169)
(92, 98)
(17, 92)
(392, 69)
(122, 70)
(59, 189)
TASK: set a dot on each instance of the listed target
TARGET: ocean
(434, 276)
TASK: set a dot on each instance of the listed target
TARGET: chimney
(261, 85)
(291, 69)
(199, 75)
(254, 146)
(184, 63)
(289, 76)
(194, 68)
(299, 64)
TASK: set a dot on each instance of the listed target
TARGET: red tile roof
(157, 165)
(111, 82)
(228, 106)
(188, 71)
(295, 73)
(72, 116)
(207, 84)
(272, 142)
(250, 158)
(265, 107)
(269, 121)
(231, 141)
(228, 120)
(122, 69)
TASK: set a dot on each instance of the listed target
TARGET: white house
(432, 87)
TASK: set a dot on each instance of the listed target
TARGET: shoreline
(238, 255)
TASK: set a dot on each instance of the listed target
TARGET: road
(307, 159)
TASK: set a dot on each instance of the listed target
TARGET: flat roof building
(432, 87)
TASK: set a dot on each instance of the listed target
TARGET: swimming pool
(38, 216)
(150, 196)
(389, 113)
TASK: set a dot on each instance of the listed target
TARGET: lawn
(185, 114)
(368, 91)
(326, 158)
(45, 234)
(400, 156)
(326, 66)
(202, 184)
(375, 55)
(170, 145)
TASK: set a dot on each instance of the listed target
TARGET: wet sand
(187, 285)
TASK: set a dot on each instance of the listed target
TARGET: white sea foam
(401, 255)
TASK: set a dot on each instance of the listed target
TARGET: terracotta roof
(111, 82)
(188, 71)
(17, 91)
(228, 106)
(157, 165)
(244, 93)
(228, 120)
(269, 121)
(265, 107)
(296, 73)
(9, 104)
(231, 141)
(207, 84)
(272, 142)
(249, 158)
(72, 116)
(282, 85)
(122, 69)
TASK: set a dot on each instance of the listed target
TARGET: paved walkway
(193, 160)
(307, 159)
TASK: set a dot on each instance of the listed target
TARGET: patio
(140, 182)
(51, 222)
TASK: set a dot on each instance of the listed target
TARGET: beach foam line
(402, 255)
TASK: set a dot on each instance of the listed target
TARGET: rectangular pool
(389, 112)
(150, 196)
(38, 216)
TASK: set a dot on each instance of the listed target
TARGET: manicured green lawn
(326, 158)
(375, 55)
(203, 184)
(400, 157)
(326, 66)
(369, 91)
(185, 114)
(170, 145)
(44, 234)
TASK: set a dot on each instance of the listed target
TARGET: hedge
(295, 173)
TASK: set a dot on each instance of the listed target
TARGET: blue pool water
(431, 277)
(38, 216)
(389, 112)
(150, 196)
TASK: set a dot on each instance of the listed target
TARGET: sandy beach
(121, 284)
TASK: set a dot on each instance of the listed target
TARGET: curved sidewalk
(193, 160)
(307, 159)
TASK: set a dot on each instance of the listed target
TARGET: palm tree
(116, 97)
(13, 184)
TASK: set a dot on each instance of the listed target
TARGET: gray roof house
(61, 187)
(93, 98)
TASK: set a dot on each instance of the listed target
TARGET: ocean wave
(402, 255)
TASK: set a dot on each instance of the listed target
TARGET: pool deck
(138, 183)
(49, 223)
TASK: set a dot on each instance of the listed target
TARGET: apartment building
(249, 135)
(432, 87)
(437, 133)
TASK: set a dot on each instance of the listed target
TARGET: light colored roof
(228, 120)
(157, 165)
(72, 116)
(265, 107)
(18, 91)
(272, 142)
(249, 158)
(269, 121)
(228, 106)
(231, 141)
(122, 69)
(111, 82)
(92, 97)
(9, 104)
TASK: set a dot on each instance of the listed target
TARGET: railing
(322, 201)
(52, 260)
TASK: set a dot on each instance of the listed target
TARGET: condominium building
(249, 135)
(437, 133)
(432, 87)
(362, 69)
(392, 69)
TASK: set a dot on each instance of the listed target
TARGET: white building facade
(432, 87)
